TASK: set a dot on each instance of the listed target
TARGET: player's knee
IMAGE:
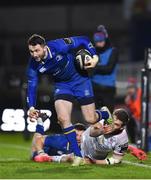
(63, 120)
(90, 118)
(39, 139)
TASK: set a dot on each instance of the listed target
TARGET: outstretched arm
(100, 129)
(32, 88)
(32, 82)
(96, 130)
(115, 159)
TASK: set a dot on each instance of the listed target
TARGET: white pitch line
(137, 164)
(11, 159)
(27, 149)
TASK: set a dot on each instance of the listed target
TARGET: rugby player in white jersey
(103, 138)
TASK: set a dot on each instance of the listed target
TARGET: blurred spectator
(133, 103)
(104, 75)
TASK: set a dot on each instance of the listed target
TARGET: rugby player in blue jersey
(55, 58)
(53, 147)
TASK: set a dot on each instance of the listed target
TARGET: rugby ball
(82, 56)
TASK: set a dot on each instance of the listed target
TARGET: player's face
(79, 135)
(37, 52)
(117, 123)
(100, 44)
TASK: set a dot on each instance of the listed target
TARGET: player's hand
(108, 128)
(96, 130)
(98, 126)
(92, 62)
(33, 114)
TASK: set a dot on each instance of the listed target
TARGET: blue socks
(40, 129)
(102, 114)
(71, 136)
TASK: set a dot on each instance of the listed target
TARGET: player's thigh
(63, 109)
(88, 112)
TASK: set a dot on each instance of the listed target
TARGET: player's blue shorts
(80, 89)
(56, 144)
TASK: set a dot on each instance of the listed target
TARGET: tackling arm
(31, 89)
(100, 129)
(32, 77)
(96, 130)
(115, 159)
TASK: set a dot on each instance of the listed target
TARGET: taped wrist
(107, 161)
(112, 161)
(41, 151)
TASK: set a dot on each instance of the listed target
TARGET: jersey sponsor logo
(68, 40)
(43, 69)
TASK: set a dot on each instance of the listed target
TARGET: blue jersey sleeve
(84, 42)
(66, 44)
(32, 76)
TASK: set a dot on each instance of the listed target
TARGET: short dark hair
(36, 39)
(80, 127)
(122, 115)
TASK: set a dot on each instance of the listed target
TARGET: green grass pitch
(15, 164)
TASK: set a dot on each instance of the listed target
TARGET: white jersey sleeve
(99, 147)
(121, 143)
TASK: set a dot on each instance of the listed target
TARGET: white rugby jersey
(99, 147)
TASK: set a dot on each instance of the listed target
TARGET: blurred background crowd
(128, 24)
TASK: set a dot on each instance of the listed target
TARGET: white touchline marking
(14, 146)
(12, 159)
(27, 149)
(137, 164)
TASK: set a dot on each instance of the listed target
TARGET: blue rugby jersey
(59, 63)
(56, 143)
